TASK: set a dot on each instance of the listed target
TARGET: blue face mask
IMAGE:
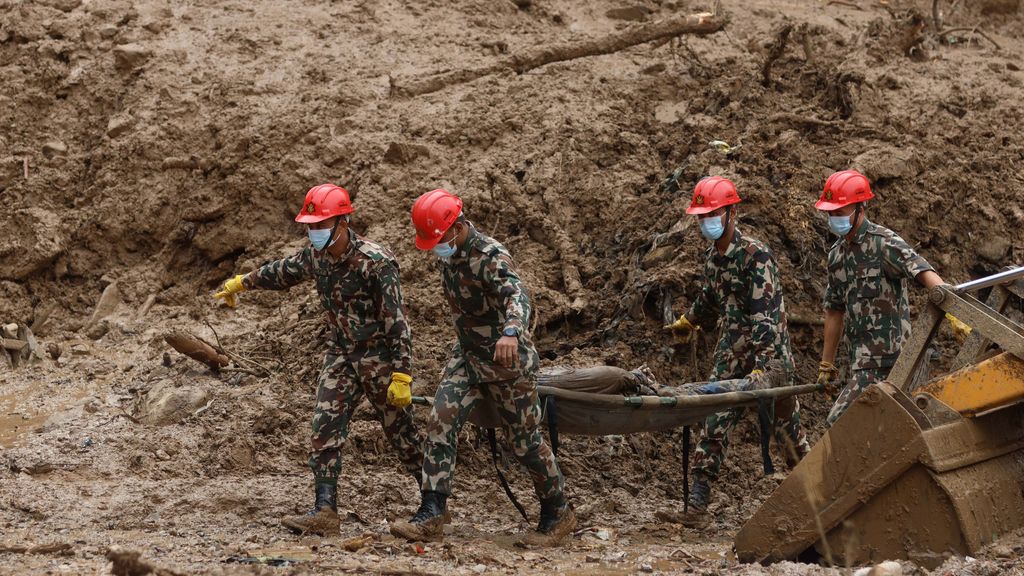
(712, 227)
(840, 225)
(319, 238)
(444, 251)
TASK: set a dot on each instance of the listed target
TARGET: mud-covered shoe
(427, 525)
(323, 519)
(696, 515)
(557, 520)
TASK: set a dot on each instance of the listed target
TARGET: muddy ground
(165, 146)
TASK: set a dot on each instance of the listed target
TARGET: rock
(98, 330)
(523, 4)
(107, 305)
(166, 404)
(401, 153)
(127, 57)
(108, 31)
(10, 330)
(54, 350)
(155, 26)
(994, 249)
(887, 163)
(888, 568)
(162, 455)
(79, 349)
(172, 163)
(119, 125)
(631, 13)
(55, 148)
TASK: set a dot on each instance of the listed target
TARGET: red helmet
(711, 193)
(433, 214)
(844, 188)
(323, 202)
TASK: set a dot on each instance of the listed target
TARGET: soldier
(370, 349)
(742, 290)
(866, 297)
(493, 359)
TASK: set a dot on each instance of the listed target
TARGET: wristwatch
(511, 331)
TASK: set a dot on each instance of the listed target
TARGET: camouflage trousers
(714, 438)
(859, 380)
(518, 405)
(340, 386)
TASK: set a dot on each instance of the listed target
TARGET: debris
(107, 305)
(54, 148)
(130, 56)
(118, 125)
(60, 548)
(887, 163)
(97, 330)
(10, 330)
(144, 309)
(700, 24)
(12, 344)
(197, 350)
(41, 315)
(888, 568)
(54, 350)
(354, 544)
(775, 51)
(127, 563)
(166, 404)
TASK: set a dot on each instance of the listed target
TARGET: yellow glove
(231, 287)
(827, 374)
(960, 330)
(399, 393)
(682, 330)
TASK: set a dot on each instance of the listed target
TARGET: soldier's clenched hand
(506, 351)
(682, 329)
(231, 287)
(827, 373)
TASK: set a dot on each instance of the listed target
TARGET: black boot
(557, 520)
(427, 525)
(323, 519)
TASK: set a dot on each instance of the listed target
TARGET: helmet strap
(330, 240)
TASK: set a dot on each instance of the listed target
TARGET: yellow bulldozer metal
(915, 472)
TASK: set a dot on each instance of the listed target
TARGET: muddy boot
(697, 515)
(323, 519)
(557, 520)
(427, 525)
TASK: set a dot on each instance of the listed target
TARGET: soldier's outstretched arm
(282, 274)
(900, 256)
(392, 310)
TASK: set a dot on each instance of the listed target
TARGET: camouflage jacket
(742, 291)
(486, 296)
(361, 292)
(867, 281)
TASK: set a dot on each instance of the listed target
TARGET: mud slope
(165, 146)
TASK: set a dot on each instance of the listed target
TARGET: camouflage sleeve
(764, 301)
(834, 290)
(703, 312)
(900, 257)
(282, 274)
(392, 311)
(498, 272)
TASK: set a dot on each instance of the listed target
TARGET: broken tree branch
(974, 30)
(699, 24)
(197, 350)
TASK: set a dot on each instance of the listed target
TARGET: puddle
(15, 423)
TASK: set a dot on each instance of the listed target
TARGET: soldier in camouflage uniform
(866, 297)
(370, 349)
(743, 292)
(493, 360)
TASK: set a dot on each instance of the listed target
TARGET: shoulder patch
(374, 251)
(488, 245)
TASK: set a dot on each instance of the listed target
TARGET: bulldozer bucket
(896, 479)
